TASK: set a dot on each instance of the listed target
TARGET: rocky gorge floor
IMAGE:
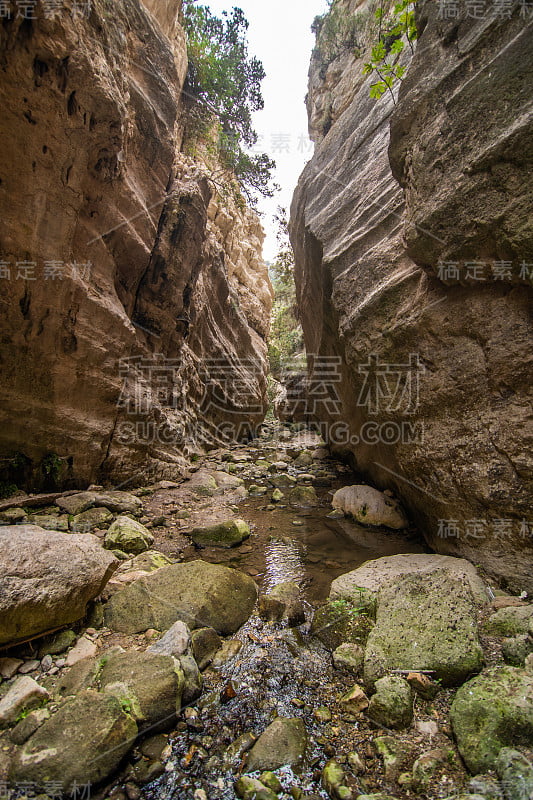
(228, 642)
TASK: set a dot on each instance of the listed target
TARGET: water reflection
(283, 562)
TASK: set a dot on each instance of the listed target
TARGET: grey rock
(283, 743)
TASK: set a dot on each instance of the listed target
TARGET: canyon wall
(134, 300)
(413, 240)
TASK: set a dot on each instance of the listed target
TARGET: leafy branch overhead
(224, 84)
(397, 27)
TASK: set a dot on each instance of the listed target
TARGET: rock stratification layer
(424, 295)
(130, 292)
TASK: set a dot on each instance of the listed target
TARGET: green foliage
(337, 33)
(224, 87)
(7, 489)
(51, 466)
(397, 27)
(286, 336)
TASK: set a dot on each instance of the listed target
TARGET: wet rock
(197, 593)
(128, 535)
(57, 643)
(368, 506)
(175, 642)
(91, 519)
(277, 496)
(283, 481)
(283, 602)
(322, 714)
(332, 779)
(425, 622)
(492, 711)
(149, 685)
(392, 704)
(238, 748)
(376, 796)
(305, 459)
(24, 694)
(229, 650)
(225, 534)
(47, 579)
(100, 735)
(357, 765)
(303, 497)
(283, 742)
(271, 781)
(337, 622)
(252, 789)
(516, 774)
(84, 648)
(349, 657)
(509, 621)
(355, 700)
(192, 678)
(205, 643)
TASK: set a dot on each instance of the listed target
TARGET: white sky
(280, 36)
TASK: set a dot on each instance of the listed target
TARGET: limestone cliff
(130, 291)
(434, 382)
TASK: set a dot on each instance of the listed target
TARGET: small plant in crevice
(397, 28)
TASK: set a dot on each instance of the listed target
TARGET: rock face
(430, 396)
(47, 579)
(137, 290)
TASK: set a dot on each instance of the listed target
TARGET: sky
(280, 36)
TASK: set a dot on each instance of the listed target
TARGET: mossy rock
(338, 622)
(128, 535)
(392, 704)
(226, 534)
(509, 621)
(492, 711)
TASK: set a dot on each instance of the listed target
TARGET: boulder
(91, 519)
(118, 502)
(128, 535)
(425, 622)
(368, 506)
(492, 711)
(509, 621)
(47, 579)
(225, 534)
(197, 593)
(283, 743)
(283, 602)
(303, 497)
(149, 561)
(76, 503)
(149, 685)
(392, 704)
(516, 774)
(382, 572)
(100, 733)
(50, 522)
(25, 693)
(252, 789)
(84, 648)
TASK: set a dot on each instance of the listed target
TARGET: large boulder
(425, 622)
(47, 578)
(128, 535)
(370, 507)
(197, 593)
(492, 711)
(100, 733)
(381, 572)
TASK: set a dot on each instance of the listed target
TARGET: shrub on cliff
(224, 85)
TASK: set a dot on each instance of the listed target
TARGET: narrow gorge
(266, 522)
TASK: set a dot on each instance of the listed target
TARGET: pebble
(29, 666)
(60, 663)
(47, 663)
